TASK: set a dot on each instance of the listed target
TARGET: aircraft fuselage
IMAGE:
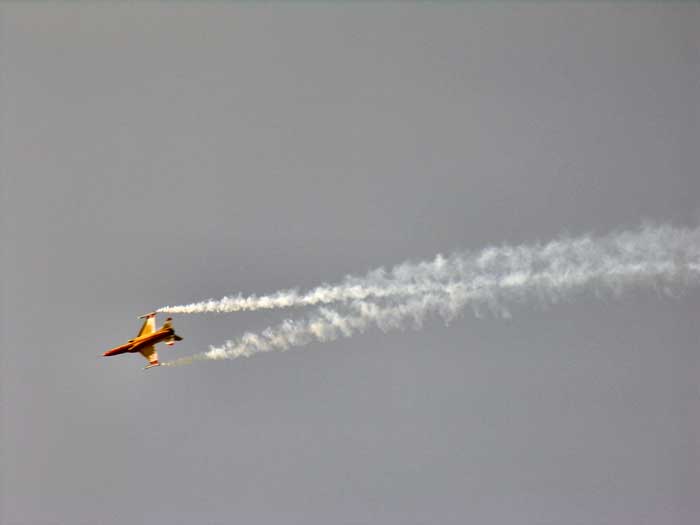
(141, 342)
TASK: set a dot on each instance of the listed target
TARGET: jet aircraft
(147, 338)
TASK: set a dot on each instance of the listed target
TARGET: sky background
(156, 154)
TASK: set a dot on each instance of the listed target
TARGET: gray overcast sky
(159, 153)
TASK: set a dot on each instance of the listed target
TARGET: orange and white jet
(147, 338)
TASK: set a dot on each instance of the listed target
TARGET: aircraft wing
(150, 353)
(149, 326)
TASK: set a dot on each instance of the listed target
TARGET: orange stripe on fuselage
(118, 350)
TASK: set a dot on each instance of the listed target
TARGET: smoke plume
(661, 258)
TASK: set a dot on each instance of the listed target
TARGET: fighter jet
(147, 338)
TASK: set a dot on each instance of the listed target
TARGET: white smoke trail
(405, 279)
(663, 258)
(413, 278)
